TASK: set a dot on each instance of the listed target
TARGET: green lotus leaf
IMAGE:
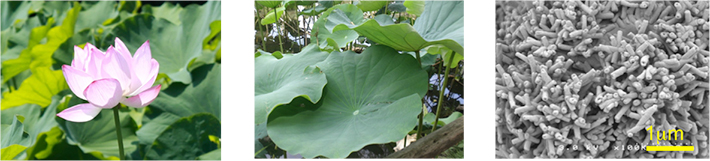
(16, 40)
(384, 19)
(414, 7)
(442, 20)
(57, 9)
(397, 6)
(370, 98)
(215, 37)
(276, 54)
(15, 133)
(37, 89)
(344, 14)
(45, 144)
(446, 53)
(173, 51)
(35, 121)
(304, 2)
(371, 5)
(427, 59)
(21, 63)
(95, 13)
(99, 134)
(334, 24)
(329, 3)
(129, 6)
(168, 11)
(259, 132)
(440, 23)
(178, 101)
(451, 117)
(213, 155)
(287, 3)
(186, 139)
(12, 12)
(429, 118)
(39, 55)
(269, 4)
(12, 152)
(278, 81)
(271, 17)
(313, 11)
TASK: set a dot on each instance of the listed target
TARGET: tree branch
(435, 143)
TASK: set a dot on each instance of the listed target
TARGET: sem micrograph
(601, 79)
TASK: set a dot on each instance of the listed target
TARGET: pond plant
(361, 78)
(63, 62)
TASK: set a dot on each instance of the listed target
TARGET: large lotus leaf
(37, 89)
(445, 54)
(370, 98)
(397, 6)
(384, 19)
(52, 145)
(173, 46)
(45, 143)
(98, 136)
(344, 14)
(269, 4)
(429, 118)
(16, 40)
(167, 10)
(22, 62)
(259, 132)
(35, 121)
(442, 20)
(371, 5)
(213, 155)
(214, 39)
(304, 2)
(12, 152)
(313, 10)
(14, 133)
(414, 7)
(278, 81)
(271, 17)
(341, 17)
(177, 101)
(427, 59)
(440, 23)
(57, 9)
(329, 3)
(186, 139)
(129, 6)
(95, 13)
(13, 12)
(41, 54)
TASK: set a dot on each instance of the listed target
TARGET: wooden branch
(435, 143)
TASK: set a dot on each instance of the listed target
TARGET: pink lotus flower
(105, 79)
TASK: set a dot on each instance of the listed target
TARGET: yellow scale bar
(670, 148)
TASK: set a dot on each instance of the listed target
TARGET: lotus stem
(117, 121)
(421, 114)
(419, 128)
(278, 31)
(419, 59)
(441, 92)
(264, 38)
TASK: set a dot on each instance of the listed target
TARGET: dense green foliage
(359, 81)
(38, 37)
